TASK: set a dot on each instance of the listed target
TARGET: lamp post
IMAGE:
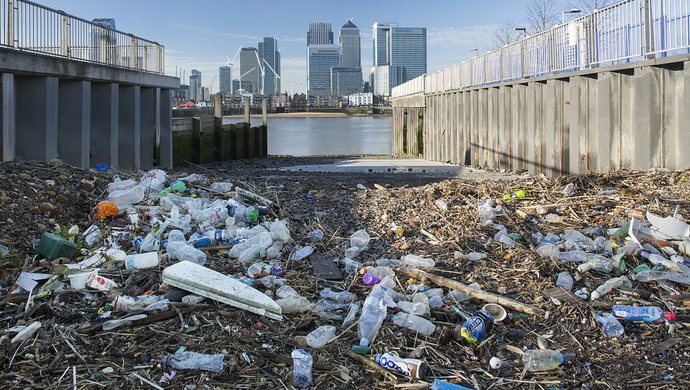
(476, 52)
(524, 31)
(572, 11)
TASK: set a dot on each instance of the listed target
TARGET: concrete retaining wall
(626, 116)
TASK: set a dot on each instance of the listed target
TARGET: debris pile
(233, 276)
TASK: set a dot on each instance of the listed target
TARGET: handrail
(630, 30)
(32, 27)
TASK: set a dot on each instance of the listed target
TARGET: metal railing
(630, 30)
(32, 27)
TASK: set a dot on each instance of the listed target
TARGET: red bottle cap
(670, 316)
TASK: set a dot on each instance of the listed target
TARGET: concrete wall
(631, 116)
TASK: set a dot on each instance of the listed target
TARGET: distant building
(320, 33)
(195, 85)
(361, 99)
(249, 68)
(299, 100)
(270, 60)
(277, 101)
(400, 47)
(205, 95)
(225, 80)
(321, 58)
(246, 85)
(384, 78)
(346, 81)
(351, 46)
(180, 95)
(367, 87)
(324, 101)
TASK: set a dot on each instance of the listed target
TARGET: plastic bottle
(273, 270)
(316, 235)
(370, 279)
(658, 259)
(565, 280)
(340, 297)
(608, 286)
(595, 262)
(435, 302)
(417, 308)
(256, 271)
(418, 288)
(441, 204)
(443, 385)
(221, 187)
(350, 265)
(358, 242)
(646, 314)
(472, 256)
(293, 305)
(183, 251)
(373, 312)
(648, 276)
(142, 260)
(287, 292)
(609, 324)
(320, 336)
(460, 296)
(475, 328)
(195, 361)
(414, 368)
(351, 314)
(542, 359)
(301, 370)
(418, 261)
(218, 235)
(415, 323)
(112, 324)
(123, 198)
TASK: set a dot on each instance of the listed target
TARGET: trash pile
(185, 280)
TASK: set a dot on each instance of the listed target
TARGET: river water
(327, 136)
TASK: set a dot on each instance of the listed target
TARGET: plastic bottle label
(408, 367)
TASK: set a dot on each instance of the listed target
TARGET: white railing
(32, 27)
(630, 30)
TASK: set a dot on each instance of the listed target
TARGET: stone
(47, 207)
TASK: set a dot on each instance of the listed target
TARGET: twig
(141, 378)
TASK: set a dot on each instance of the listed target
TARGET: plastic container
(293, 305)
(78, 281)
(287, 292)
(414, 368)
(497, 312)
(185, 252)
(301, 370)
(373, 314)
(320, 336)
(565, 280)
(142, 260)
(112, 324)
(52, 247)
(609, 324)
(475, 328)
(472, 256)
(536, 360)
(195, 361)
(414, 323)
(418, 261)
(123, 198)
(340, 297)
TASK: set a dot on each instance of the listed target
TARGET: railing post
(133, 53)
(64, 41)
(104, 35)
(648, 37)
(11, 15)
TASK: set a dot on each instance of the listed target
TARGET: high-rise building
(320, 34)
(195, 86)
(346, 81)
(321, 58)
(270, 60)
(350, 46)
(225, 80)
(249, 68)
(399, 47)
(384, 78)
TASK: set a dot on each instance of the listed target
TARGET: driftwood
(483, 295)
(288, 360)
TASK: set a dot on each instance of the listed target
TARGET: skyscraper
(225, 80)
(350, 46)
(398, 47)
(320, 33)
(321, 58)
(270, 60)
(195, 85)
(249, 69)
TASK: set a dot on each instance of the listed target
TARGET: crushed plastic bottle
(414, 323)
(472, 256)
(358, 242)
(609, 324)
(418, 308)
(647, 314)
(112, 324)
(302, 366)
(351, 314)
(648, 276)
(609, 285)
(536, 360)
(183, 251)
(316, 235)
(418, 261)
(340, 297)
(195, 361)
(320, 336)
(565, 280)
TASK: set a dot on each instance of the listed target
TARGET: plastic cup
(497, 311)
(78, 281)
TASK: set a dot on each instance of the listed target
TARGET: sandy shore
(302, 115)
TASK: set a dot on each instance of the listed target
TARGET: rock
(46, 207)
(52, 193)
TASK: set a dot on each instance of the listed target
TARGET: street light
(476, 52)
(524, 31)
(572, 11)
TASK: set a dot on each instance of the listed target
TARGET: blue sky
(203, 34)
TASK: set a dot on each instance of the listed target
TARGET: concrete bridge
(608, 90)
(81, 92)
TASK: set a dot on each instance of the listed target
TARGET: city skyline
(204, 37)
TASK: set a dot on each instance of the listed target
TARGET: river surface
(327, 136)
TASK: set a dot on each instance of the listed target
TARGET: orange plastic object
(105, 208)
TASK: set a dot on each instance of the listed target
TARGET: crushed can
(475, 328)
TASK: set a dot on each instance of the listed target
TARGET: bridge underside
(632, 116)
(84, 114)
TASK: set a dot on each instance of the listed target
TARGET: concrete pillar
(9, 132)
(532, 128)
(672, 109)
(74, 122)
(264, 111)
(647, 118)
(105, 124)
(607, 147)
(517, 127)
(504, 116)
(129, 127)
(147, 127)
(466, 125)
(482, 127)
(577, 122)
(682, 137)
(36, 118)
(453, 122)
(492, 127)
(474, 124)
(247, 112)
(165, 119)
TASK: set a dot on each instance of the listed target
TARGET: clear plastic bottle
(610, 285)
(542, 359)
(435, 302)
(415, 323)
(183, 251)
(417, 308)
(646, 313)
(123, 198)
(565, 280)
(418, 261)
(648, 276)
(472, 256)
(373, 312)
(316, 235)
(340, 297)
(301, 370)
(320, 336)
(195, 361)
(112, 324)
(351, 314)
(460, 296)
(669, 264)
(293, 305)
(609, 324)
(142, 260)
(287, 292)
